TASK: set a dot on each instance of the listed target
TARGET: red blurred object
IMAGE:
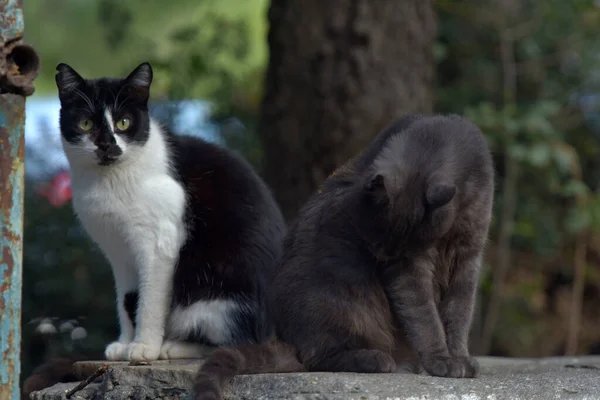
(58, 190)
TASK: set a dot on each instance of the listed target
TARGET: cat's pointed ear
(439, 194)
(141, 78)
(67, 79)
(376, 182)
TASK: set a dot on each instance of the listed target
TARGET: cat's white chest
(129, 215)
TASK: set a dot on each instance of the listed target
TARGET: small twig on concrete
(581, 366)
(138, 363)
(99, 372)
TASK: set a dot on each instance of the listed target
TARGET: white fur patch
(111, 123)
(212, 318)
(109, 120)
(81, 154)
(133, 209)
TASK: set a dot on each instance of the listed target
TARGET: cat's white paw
(116, 351)
(138, 351)
(172, 349)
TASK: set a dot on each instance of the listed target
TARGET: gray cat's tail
(227, 362)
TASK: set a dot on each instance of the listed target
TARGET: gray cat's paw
(451, 367)
(374, 361)
(469, 367)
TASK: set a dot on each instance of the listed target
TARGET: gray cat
(381, 267)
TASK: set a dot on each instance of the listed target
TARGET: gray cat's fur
(381, 267)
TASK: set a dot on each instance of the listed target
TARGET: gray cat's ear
(67, 79)
(376, 182)
(439, 194)
(141, 78)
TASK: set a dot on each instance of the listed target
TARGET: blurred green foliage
(543, 129)
(217, 50)
(200, 49)
(536, 121)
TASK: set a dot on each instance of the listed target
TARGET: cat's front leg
(156, 239)
(410, 291)
(126, 285)
(156, 265)
(153, 305)
(456, 308)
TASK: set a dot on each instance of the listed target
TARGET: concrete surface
(501, 378)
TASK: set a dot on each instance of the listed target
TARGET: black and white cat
(190, 230)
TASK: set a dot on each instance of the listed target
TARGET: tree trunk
(339, 71)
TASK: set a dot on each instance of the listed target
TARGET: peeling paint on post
(11, 225)
(19, 65)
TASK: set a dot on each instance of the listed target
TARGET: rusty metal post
(19, 65)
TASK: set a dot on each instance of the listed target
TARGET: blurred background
(299, 87)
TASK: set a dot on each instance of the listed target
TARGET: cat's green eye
(123, 124)
(85, 124)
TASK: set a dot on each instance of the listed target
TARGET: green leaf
(538, 124)
(564, 158)
(576, 188)
(539, 155)
(440, 51)
(579, 219)
(518, 151)
(511, 126)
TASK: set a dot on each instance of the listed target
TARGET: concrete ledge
(501, 378)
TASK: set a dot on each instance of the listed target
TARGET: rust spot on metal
(7, 164)
(6, 275)
(7, 258)
(19, 66)
(9, 235)
(19, 63)
(7, 361)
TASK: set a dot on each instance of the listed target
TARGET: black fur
(235, 233)
(131, 304)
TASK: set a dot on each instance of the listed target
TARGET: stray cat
(380, 268)
(190, 230)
